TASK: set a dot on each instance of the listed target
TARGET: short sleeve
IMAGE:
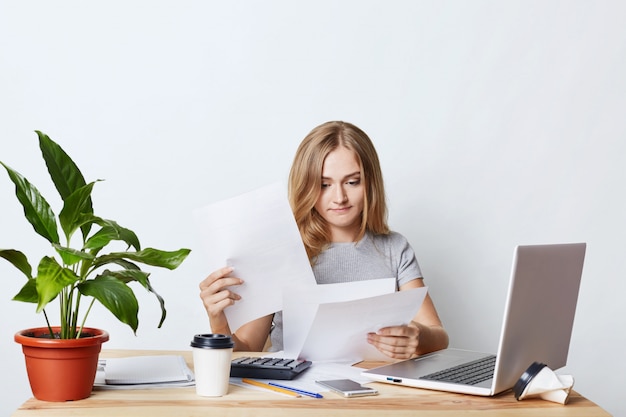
(408, 266)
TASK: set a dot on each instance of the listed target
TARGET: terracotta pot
(61, 369)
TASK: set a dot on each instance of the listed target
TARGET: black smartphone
(347, 387)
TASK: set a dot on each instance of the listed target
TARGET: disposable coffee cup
(212, 354)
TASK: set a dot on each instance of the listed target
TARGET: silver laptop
(537, 327)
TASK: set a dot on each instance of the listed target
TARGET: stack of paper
(137, 372)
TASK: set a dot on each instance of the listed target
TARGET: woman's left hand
(398, 342)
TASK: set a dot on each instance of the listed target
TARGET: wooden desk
(399, 401)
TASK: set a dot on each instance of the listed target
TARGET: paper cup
(212, 354)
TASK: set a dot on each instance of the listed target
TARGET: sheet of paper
(300, 306)
(257, 235)
(339, 330)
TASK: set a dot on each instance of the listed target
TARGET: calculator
(267, 368)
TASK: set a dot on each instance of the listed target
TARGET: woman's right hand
(216, 296)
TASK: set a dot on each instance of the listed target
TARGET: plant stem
(63, 313)
(85, 317)
(69, 318)
(76, 334)
(48, 323)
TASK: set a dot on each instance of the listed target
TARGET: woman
(337, 196)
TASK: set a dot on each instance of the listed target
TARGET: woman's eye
(354, 182)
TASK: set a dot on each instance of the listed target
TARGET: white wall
(497, 123)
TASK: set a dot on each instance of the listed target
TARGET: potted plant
(77, 275)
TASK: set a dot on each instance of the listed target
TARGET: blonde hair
(305, 183)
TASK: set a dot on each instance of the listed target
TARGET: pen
(270, 387)
(299, 391)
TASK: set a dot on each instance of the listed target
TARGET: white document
(339, 331)
(257, 235)
(300, 305)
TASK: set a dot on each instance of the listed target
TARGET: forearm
(239, 345)
(219, 325)
(222, 327)
(252, 336)
(431, 338)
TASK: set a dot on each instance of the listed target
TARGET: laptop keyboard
(470, 373)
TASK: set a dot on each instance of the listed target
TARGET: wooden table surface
(393, 399)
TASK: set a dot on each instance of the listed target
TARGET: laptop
(537, 327)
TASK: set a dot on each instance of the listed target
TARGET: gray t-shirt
(373, 257)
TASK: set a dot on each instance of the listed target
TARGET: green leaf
(36, 208)
(125, 264)
(28, 293)
(72, 256)
(149, 256)
(116, 296)
(100, 239)
(111, 231)
(51, 279)
(130, 275)
(161, 302)
(19, 260)
(75, 206)
(141, 277)
(65, 174)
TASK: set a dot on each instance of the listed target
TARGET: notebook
(537, 327)
(143, 372)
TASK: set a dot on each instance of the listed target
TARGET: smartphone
(348, 387)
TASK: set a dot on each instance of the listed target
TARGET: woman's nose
(340, 195)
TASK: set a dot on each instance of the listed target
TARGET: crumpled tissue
(540, 381)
